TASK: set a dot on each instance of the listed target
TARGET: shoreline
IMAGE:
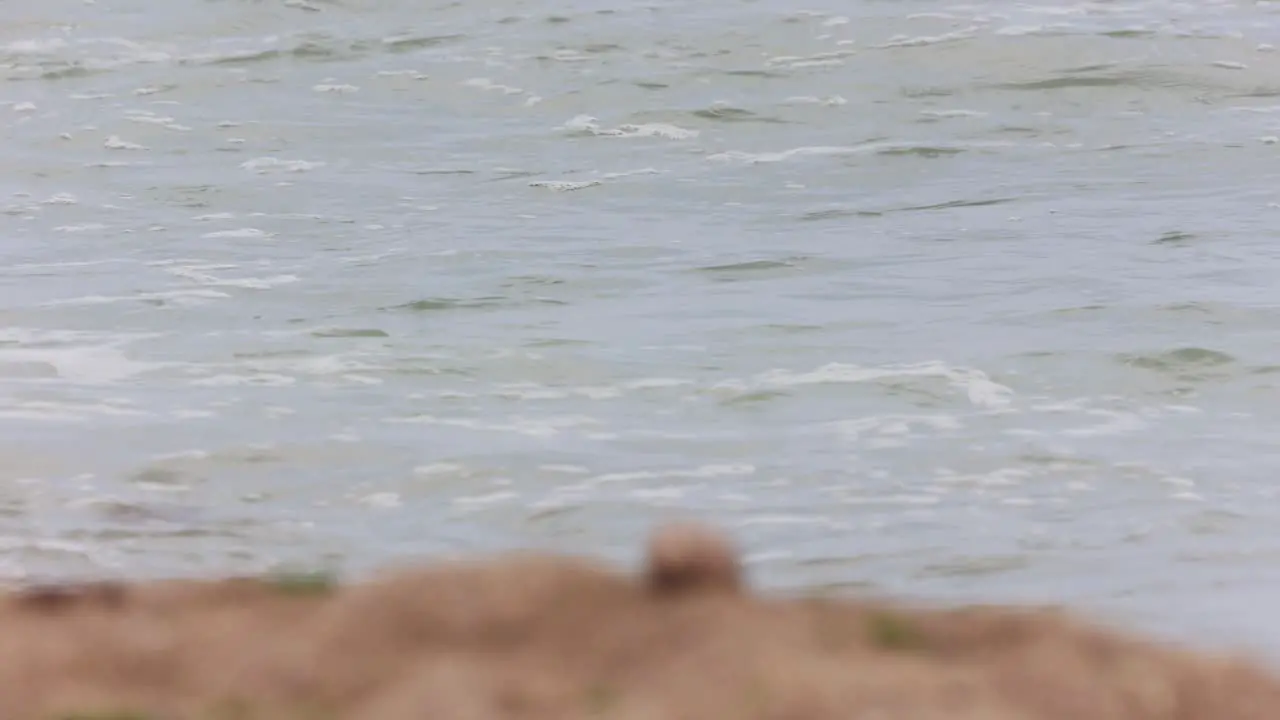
(534, 635)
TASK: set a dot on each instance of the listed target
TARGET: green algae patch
(303, 584)
(893, 632)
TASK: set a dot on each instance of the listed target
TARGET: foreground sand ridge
(549, 637)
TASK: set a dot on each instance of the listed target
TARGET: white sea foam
(893, 429)
(564, 185)
(246, 380)
(904, 41)
(486, 499)
(630, 173)
(148, 118)
(442, 468)
(114, 142)
(63, 411)
(590, 125)
(773, 157)
(382, 500)
(701, 472)
(979, 389)
(527, 391)
(823, 59)
(830, 100)
(1113, 423)
(199, 274)
(73, 358)
(180, 297)
(412, 74)
(844, 150)
(240, 233)
(533, 427)
(264, 165)
(481, 83)
(948, 114)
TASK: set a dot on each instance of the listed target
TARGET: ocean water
(959, 301)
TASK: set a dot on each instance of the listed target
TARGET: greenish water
(957, 301)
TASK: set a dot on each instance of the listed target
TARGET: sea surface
(955, 301)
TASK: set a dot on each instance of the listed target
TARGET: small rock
(684, 557)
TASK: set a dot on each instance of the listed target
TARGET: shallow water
(960, 301)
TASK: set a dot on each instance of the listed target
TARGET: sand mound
(529, 636)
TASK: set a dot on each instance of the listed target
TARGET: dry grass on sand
(543, 637)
